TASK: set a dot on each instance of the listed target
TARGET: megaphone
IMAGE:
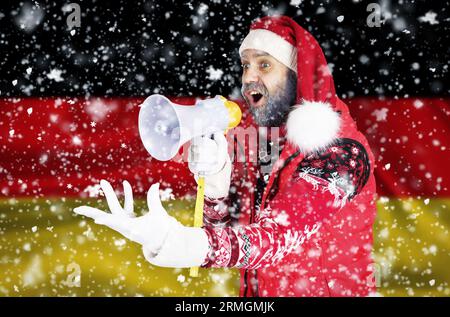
(165, 126)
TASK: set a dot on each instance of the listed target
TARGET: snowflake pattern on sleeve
(342, 169)
(254, 246)
(215, 212)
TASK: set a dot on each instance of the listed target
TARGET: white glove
(209, 158)
(165, 241)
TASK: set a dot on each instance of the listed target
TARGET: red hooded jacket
(310, 234)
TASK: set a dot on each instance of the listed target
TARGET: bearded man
(302, 227)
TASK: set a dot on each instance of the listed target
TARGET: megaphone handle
(198, 214)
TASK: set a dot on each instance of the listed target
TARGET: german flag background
(69, 103)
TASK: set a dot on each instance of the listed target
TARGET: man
(305, 227)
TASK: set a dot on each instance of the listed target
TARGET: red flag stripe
(60, 146)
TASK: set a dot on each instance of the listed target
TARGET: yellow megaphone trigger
(234, 112)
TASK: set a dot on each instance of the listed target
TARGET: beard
(274, 112)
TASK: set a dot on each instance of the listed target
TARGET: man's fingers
(153, 200)
(90, 212)
(220, 139)
(128, 192)
(111, 198)
(222, 143)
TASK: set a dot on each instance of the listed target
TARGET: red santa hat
(315, 121)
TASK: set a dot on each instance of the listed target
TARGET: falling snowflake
(120, 242)
(167, 194)
(76, 140)
(429, 17)
(93, 190)
(282, 219)
(99, 109)
(55, 74)
(418, 104)
(181, 278)
(380, 114)
(295, 3)
(214, 74)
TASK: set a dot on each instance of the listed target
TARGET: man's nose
(250, 76)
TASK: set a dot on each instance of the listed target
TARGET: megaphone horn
(165, 126)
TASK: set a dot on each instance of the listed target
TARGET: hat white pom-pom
(313, 125)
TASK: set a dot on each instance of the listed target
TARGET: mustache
(259, 87)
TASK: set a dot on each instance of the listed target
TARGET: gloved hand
(209, 158)
(165, 241)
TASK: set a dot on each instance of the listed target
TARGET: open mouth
(255, 98)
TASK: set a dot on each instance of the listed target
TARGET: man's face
(268, 87)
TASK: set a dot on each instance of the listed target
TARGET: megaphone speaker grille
(159, 127)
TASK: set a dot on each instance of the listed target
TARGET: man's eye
(265, 65)
(245, 66)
